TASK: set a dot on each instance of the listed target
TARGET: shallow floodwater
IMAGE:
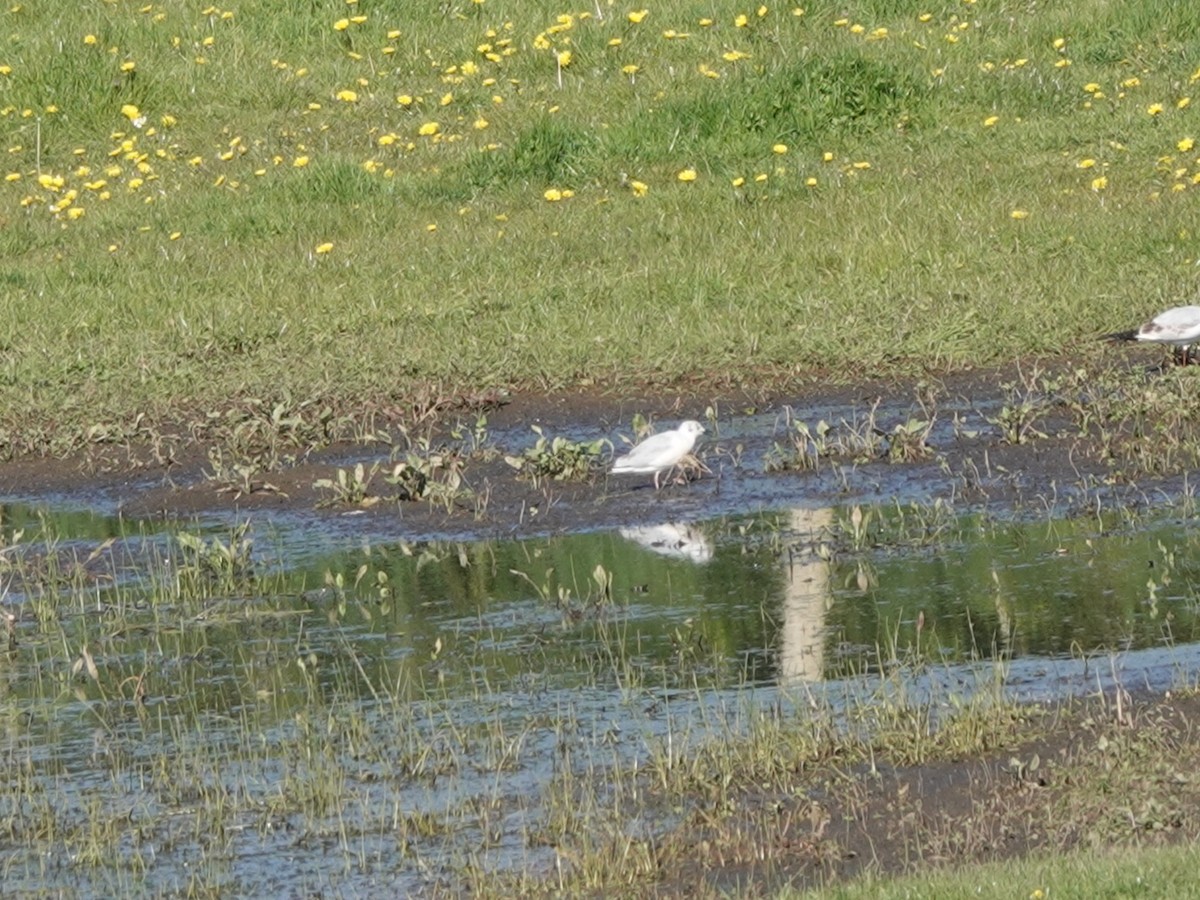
(298, 707)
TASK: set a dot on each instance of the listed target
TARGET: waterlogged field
(262, 709)
(294, 284)
(316, 219)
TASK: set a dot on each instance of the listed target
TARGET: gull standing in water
(659, 451)
(1179, 327)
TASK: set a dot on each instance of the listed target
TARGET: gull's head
(692, 427)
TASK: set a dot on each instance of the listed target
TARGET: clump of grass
(214, 566)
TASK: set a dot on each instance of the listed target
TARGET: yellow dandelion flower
(300, 162)
(1186, 144)
(1099, 184)
(1154, 109)
(639, 188)
(741, 21)
(13, 176)
(347, 96)
(631, 69)
(552, 195)
(480, 124)
(563, 57)
(810, 182)
(924, 17)
(990, 121)
(687, 175)
(175, 235)
(827, 156)
(341, 24)
(780, 149)
(1183, 102)
(321, 249)
(386, 140)
(404, 100)
(431, 227)
(128, 66)
(862, 165)
(89, 39)
(429, 129)
(638, 16)
(1086, 163)
(1019, 214)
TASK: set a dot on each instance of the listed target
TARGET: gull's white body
(659, 451)
(1179, 326)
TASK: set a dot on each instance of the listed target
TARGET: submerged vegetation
(270, 225)
(579, 713)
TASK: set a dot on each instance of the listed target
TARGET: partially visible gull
(1179, 327)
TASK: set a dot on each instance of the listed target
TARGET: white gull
(659, 451)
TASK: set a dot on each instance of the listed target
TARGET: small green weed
(558, 458)
(214, 566)
(350, 488)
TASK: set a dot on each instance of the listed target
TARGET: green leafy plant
(558, 458)
(349, 487)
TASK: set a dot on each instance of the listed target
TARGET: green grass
(200, 285)
(1158, 872)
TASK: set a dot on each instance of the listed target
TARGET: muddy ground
(967, 459)
(1096, 776)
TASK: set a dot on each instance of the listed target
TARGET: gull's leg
(656, 474)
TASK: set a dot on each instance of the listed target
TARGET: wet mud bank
(960, 438)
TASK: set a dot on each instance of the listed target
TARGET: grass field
(324, 209)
